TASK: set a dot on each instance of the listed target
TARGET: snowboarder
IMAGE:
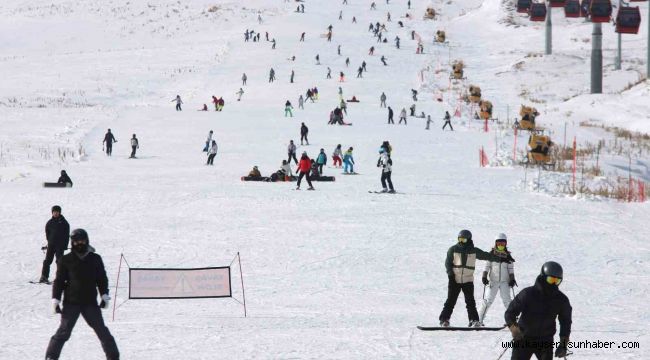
(414, 94)
(304, 166)
(178, 102)
(447, 121)
(348, 162)
(109, 139)
(341, 77)
(79, 275)
(412, 110)
(302, 37)
(243, 79)
(273, 42)
(386, 164)
(363, 66)
(397, 40)
(204, 108)
(239, 94)
(383, 60)
(255, 173)
(329, 73)
(360, 72)
(539, 305)
(371, 51)
(220, 104)
(301, 102)
(460, 263)
(338, 50)
(208, 141)
(499, 276)
(291, 150)
(344, 107)
(57, 231)
(402, 116)
(304, 130)
(134, 146)
(64, 178)
(321, 160)
(347, 61)
(271, 75)
(429, 121)
(390, 116)
(337, 156)
(382, 100)
(293, 74)
(288, 108)
(215, 101)
(317, 59)
(212, 152)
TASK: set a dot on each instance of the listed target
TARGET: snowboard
(56, 185)
(382, 192)
(353, 173)
(40, 283)
(459, 328)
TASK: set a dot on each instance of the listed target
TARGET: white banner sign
(211, 282)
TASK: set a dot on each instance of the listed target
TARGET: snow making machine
(474, 94)
(540, 151)
(486, 109)
(528, 115)
(457, 70)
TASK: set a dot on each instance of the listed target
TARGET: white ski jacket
(499, 272)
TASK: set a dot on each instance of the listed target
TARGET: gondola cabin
(600, 11)
(572, 9)
(537, 12)
(557, 3)
(523, 6)
(628, 20)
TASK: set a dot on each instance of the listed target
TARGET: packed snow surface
(336, 273)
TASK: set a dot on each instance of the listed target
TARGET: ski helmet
(501, 237)
(465, 234)
(551, 268)
(79, 234)
(56, 208)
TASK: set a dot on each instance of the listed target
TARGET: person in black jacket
(539, 306)
(64, 178)
(304, 130)
(109, 139)
(78, 276)
(57, 231)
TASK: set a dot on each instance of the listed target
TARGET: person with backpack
(348, 162)
(134, 146)
(291, 149)
(386, 164)
(321, 160)
(304, 130)
(304, 166)
(337, 156)
(498, 275)
(109, 139)
(212, 153)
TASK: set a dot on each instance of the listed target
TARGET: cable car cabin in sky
(628, 20)
(537, 12)
(523, 6)
(572, 9)
(557, 3)
(600, 11)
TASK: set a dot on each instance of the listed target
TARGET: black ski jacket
(79, 278)
(63, 179)
(539, 306)
(57, 232)
(109, 138)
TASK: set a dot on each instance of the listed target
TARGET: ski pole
(502, 353)
(484, 286)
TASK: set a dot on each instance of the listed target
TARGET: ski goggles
(552, 280)
(462, 240)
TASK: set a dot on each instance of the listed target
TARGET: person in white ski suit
(239, 94)
(499, 275)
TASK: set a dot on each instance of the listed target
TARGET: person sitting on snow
(255, 173)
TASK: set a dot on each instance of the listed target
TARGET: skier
(271, 75)
(447, 121)
(386, 163)
(212, 152)
(57, 231)
(302, 37)
(317, 59)
(341, 15)
(414, 94)
(259, 19)
(347, 62)
(363, 66)
(429, 121)
(371, 51)
(329, 73)
(134, 146)
(338, 50)
(348, 162)
(539, 305)
(402, 116)
(397, 41)
(178, 102)
(304, 130)
(291, 150)
(341, 77)
(78, 276)
(301, 102)
(288, 108)
(243, 79)
(321, 160)
(383, 60)
(382, 100)
(360, 72)
(390, 116)
(208, 141)
(273, 42)
(304, 166)
(340, 92)
(460, 263)
(412, 110)
(239, 94)
(337, 155)
(293, 74)
(501, 276)
(109, 139)
(64, 178)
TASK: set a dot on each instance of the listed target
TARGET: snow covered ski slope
(336, 273)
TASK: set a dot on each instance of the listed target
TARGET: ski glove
(512, 282)
(105, 301)
(451, 278)
(56, 303)
(485, 279)
(561, 350)
(516, 332)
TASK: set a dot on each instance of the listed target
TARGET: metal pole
(597, 59)
(647, 73)
(549, 30)
(617, 63)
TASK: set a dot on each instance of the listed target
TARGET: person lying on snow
(354, 99)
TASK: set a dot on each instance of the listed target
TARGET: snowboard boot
(444, 323)
(43, 280)
(310, 188)
(384, 190)
(391, 191)
(298, 188)
(474, 323)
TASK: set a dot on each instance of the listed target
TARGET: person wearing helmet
(79, 275)
(57, 231)
(386, 164)
(460, 264)
(500, 276)
(304, 166)
(537, 307)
